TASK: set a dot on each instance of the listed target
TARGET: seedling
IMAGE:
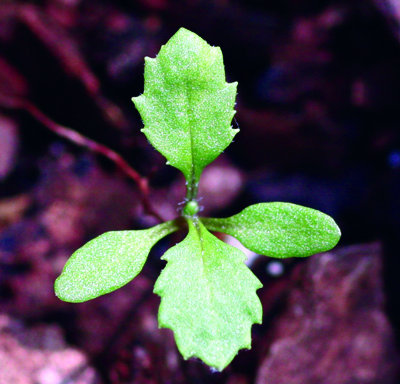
(208, 295)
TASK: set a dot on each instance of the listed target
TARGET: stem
(191, 207)
(192, 189)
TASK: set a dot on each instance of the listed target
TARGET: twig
(77, 138)
(66, 50)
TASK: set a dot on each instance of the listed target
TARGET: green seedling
(208, 295)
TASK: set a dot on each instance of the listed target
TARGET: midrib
(189, 114)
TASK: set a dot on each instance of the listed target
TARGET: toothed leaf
(280, 229)
(187, 106)
(107, 262)
(208, 298)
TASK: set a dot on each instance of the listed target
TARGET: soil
(318, 112)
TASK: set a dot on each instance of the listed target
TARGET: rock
(9, 143)
(334, 329)
(38, 355)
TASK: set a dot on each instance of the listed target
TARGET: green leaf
(280, 229)
(107, 262)
(187, 106)
(208, 297)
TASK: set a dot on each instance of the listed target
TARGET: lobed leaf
(280, 229)
(208, 297)
(187, 106)
(107, 262)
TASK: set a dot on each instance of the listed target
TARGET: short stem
(192, 189)
(191, 207)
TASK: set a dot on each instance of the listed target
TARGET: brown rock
(39, 355)
(334, 329)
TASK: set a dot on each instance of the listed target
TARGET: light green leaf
(208, 298)
(107, 262)
(280, 229)
(187, 106)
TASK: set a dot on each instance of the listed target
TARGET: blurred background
(318, 109)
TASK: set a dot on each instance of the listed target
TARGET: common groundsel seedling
(208, 295)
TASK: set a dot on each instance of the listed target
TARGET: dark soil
(319, 112)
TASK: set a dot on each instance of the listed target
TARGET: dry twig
(77, 138)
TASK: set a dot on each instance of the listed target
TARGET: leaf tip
(234, 84)
(182, 32)
(61, 290)
(137, 101)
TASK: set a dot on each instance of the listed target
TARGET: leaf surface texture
(187, 106)
(280, 229)
(107, 262)
(208, 297)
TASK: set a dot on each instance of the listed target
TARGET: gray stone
(334, 329)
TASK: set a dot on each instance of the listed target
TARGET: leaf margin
(218, 363)
(327, 228)
(80, 281)
(190, 161)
